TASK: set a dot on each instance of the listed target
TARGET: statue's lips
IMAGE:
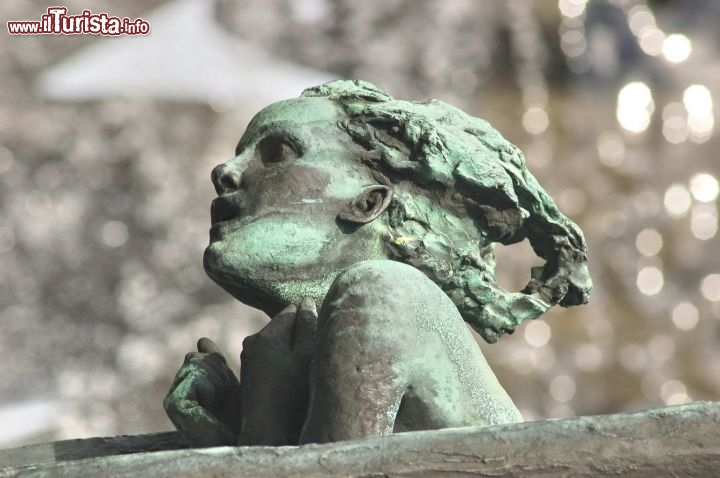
(222, 209)
(227, 215)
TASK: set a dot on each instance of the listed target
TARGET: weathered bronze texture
(385, 213)
(674, 441)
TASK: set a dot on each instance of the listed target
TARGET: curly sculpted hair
(459, 187)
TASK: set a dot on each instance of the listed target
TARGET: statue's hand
(204, 400)
(275, 365)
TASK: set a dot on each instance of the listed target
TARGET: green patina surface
(331, 192)
(459, 188)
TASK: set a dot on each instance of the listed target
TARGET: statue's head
(346, 173)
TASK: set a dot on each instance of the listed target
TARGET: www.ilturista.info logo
(57, 22)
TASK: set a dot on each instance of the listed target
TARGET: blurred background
(106, 147)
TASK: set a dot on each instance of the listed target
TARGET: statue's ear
(367, 205)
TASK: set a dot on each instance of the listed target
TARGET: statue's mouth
(222, 209)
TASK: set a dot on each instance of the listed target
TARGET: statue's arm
(362, 343)
(274, 377)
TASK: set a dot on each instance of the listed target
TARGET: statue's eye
(273, 149)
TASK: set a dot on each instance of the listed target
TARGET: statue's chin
(271, 261)
(268, 287)
(242, 287)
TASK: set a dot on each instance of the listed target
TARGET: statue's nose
(225, 179)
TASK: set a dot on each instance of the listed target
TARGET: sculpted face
(275, 235)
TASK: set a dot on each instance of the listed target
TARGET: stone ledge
(677, 441)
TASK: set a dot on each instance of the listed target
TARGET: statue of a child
(385, 213)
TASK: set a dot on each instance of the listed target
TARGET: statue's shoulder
(384, 278)
(390, 297)
(384, 272)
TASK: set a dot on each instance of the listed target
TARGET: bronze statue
(385, 213)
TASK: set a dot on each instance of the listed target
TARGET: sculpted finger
(192, 356)
(201, 387)
(306, 322)
(206, 393)
(205, 345)
(285, 314)
(181, 392)
(214, 368)
(216, 364)
(187, 373)
(200, 428)
(199, 365)
(198, 425)
(282, 324)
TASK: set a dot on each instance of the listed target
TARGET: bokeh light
(675, 127)
(562, 388)
(677, 200)
(572, 8)
(652, 41)
(676, 48)
(649, 242)
(611, 148)
(535, 120)
(650, 280)
(704, 221)
(537, 333)
(640, 19)
(635, 106)
(710, 287)
(685, 316)
(674, 392)
(589, 357)
(704, 187)
(699, 105)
